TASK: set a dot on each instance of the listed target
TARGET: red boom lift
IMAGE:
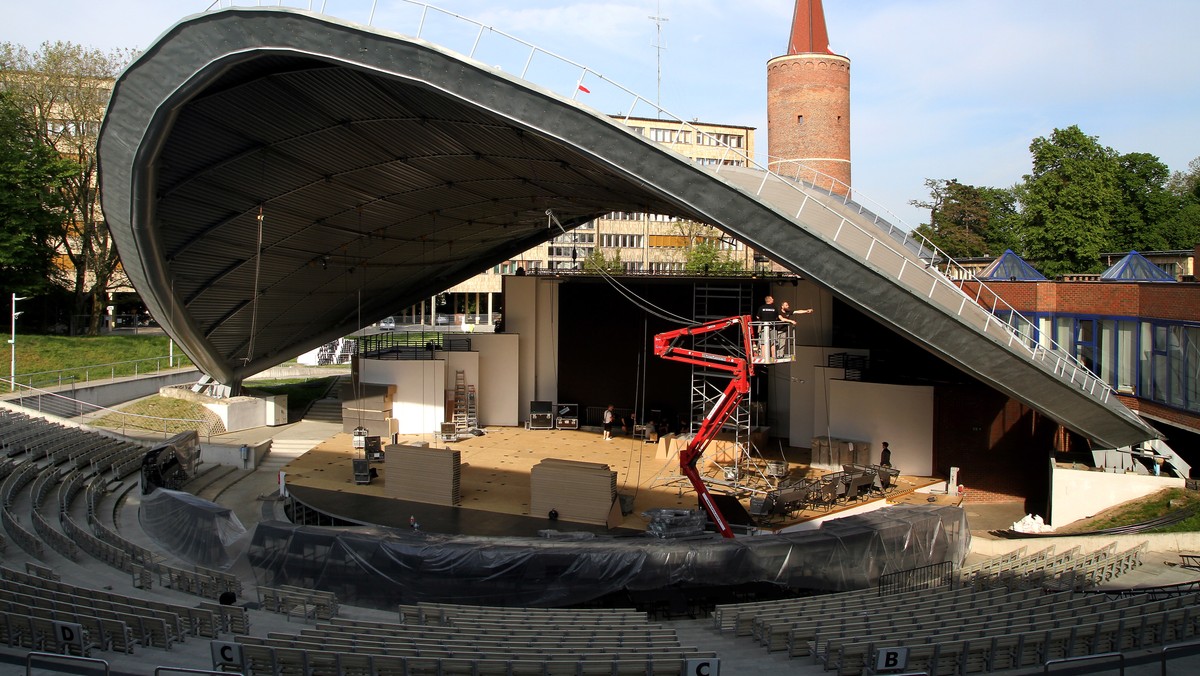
(665, 346)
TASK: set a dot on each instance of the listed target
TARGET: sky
(939, 88)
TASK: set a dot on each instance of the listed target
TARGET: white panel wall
(499, 368)
(531, 312)
(901, 415)
(419, 405)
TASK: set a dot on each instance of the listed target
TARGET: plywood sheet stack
(579, 491)
(368, 406)
(422, 474)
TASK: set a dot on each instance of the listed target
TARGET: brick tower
(808, 100)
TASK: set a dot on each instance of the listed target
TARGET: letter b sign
(891, 659)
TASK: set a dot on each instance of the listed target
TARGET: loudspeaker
(362, 470)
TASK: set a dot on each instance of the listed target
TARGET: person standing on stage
(609, 417)
(885, 456)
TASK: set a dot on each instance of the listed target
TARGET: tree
(1186, 184)
(65, 88)
(1068, 201)
(30, 209)
(967, 221)
(1146, 206)
(706, 258)
(597, 262)
(702, 251)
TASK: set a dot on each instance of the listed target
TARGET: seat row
(457, 614)
(850, 655)
(1131, 631)
(205, 620)
(292, 600)
(266, 660)
(577, 631)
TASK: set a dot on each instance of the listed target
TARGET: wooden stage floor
(495, 480)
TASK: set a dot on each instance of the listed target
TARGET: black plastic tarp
(382, 567)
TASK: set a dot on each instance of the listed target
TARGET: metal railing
(44, 401)
(557, 73)
(101, 372)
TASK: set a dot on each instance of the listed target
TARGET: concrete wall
(223, 454)
(1076, 494)
(114, 393)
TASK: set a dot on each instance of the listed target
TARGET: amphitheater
(87, 590)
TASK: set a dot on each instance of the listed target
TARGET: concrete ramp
(871, 265)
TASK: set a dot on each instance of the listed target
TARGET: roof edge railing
(804, 178)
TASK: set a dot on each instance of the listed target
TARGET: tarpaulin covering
(192, 528)
(381, 567)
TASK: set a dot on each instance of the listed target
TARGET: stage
(495, 482)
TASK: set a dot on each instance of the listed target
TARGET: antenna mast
(658, 22)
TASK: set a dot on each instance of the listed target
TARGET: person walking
(609, 418)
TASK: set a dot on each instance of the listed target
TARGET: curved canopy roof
(369, 170)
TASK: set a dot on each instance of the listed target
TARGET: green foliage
(64, 89)
(706, 258)
(1069, 202)
(30, 209)
(1140, 219)
(597, 262)
(967, 221)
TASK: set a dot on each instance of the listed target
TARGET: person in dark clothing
(768, 312)
(768, 315)
(885, 456)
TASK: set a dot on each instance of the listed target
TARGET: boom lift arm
(666, 346)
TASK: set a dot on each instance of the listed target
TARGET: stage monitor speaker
(362, 470)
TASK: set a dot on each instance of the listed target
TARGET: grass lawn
(1144, 509)
(89, 358)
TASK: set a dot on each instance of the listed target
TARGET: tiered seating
(154, 623)
(462, 639)
(1139, 626)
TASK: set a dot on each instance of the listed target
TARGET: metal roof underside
(377, 170)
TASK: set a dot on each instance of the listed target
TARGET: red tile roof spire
(808, 29)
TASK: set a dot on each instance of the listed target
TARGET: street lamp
(12, 368)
